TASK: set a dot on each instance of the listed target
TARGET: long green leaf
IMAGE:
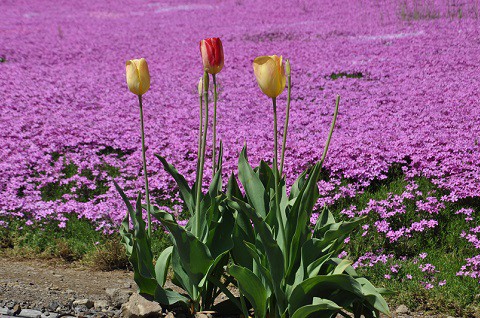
(254, 188)
(161, 267)
(252, 287)
(272, 250)
(186, 193)
(169, 297)
(323, 287)
(319, 307)
(194, 255)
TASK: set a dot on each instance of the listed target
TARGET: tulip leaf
(323, 287)
(161, 267)
(186, 193)
(325, 306)
(373, 296)
(194, 255)
(254, 188)
(233, 190)
(169, 297)
(272, 250)
(252, 287)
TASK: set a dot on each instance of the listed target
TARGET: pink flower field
(407, 72)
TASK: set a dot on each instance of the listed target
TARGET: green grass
(78, 241)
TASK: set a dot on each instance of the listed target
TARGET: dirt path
(51, 286)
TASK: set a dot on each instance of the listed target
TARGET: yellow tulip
(138, 77)
(270, 74)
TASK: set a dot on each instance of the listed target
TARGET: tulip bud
(212, 55)
(138, 77)
(270, 75)
(287, 67)
(200, 86)
(206, 79)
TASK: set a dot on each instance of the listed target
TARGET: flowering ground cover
(405, 151)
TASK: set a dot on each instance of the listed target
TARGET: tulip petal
(144, 75)
(133, 80)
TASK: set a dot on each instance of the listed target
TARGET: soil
(32, 280)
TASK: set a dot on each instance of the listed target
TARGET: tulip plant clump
(258, 239)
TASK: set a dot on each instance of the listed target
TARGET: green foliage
(298, 274)
(196, 258)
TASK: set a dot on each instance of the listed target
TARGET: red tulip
(212, 55)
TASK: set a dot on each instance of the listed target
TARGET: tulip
(212, 58)
(270, 75)
(212, 55)
(271, 80)
(138, 81)
(138, 77)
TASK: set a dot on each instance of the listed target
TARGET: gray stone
(402, 310)
(140, 307)
(30, 313)
(83, 302)
(118, 296)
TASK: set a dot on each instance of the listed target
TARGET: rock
(140, 307)
(83, 302)
(53, 306)
(170, 315)
(100, 304)
(118, 296)
(30, 313)
(16, 309)
(402, 310)
(200, 315)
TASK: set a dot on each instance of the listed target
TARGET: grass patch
(79, 241)
(335, 76)
(444, 247)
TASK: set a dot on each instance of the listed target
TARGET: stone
(170, 315)
(100, 304)
(140, 307)
(118, 296)
(16, 309)
(402, 310)
(30, 313)
(83, 302)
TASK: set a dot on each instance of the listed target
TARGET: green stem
(214, 151)
(285, 127)
(145, 166)
(201, 166)
(200, 134)
(277, 181)
(332, 126)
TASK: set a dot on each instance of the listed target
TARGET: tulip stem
(330, 133)
(201, 165)
(285, 127)
(200, 134)
(214, 151)
(145, 166)
(275, 173)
